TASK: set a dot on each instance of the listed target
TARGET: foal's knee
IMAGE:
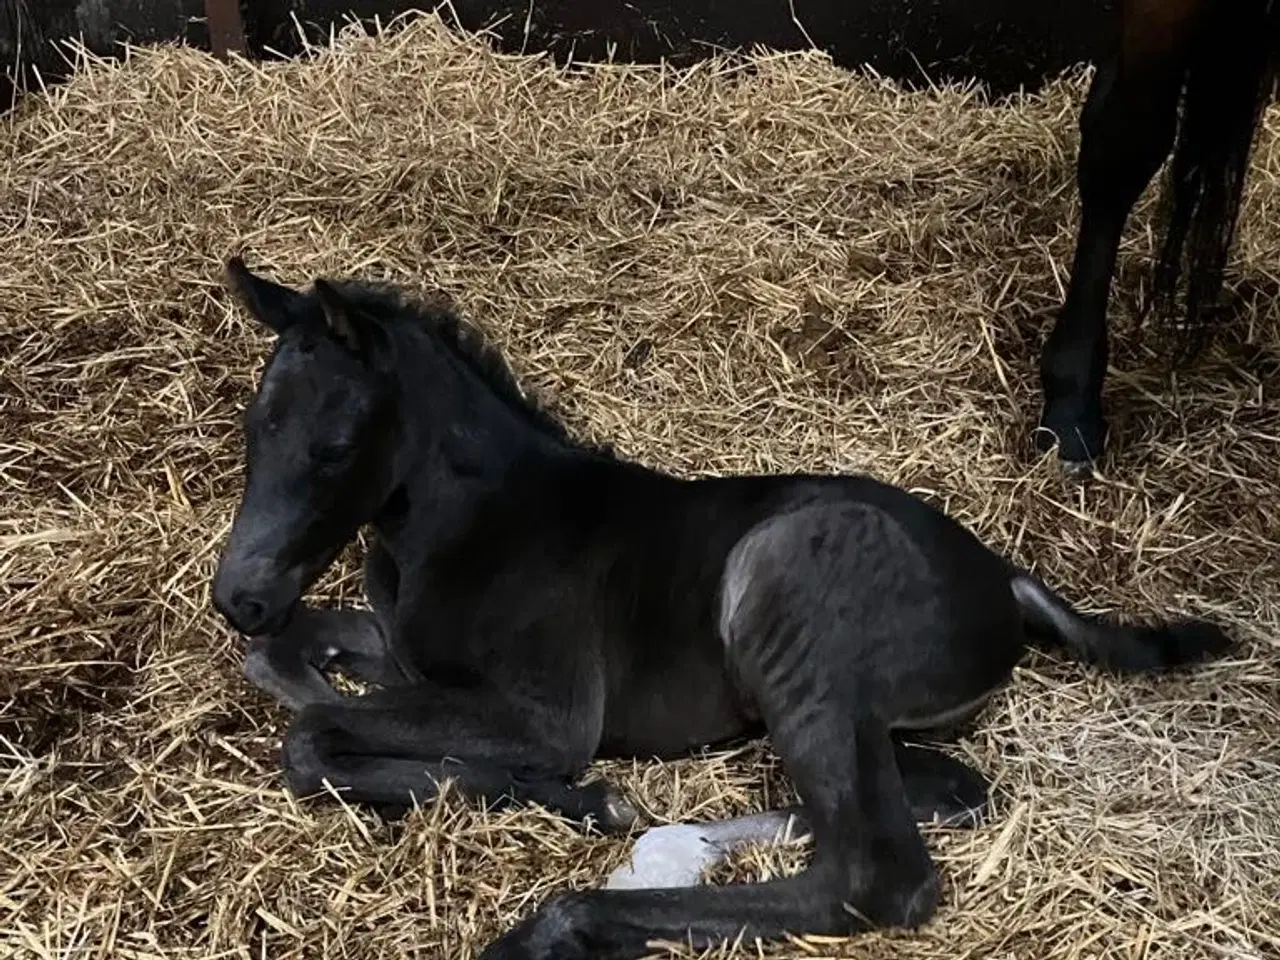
(305, 752)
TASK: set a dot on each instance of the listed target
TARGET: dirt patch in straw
(723, 270)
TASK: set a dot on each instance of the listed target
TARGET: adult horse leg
(289, 665)
(939, 789)
(395, 747)
(1127, 127)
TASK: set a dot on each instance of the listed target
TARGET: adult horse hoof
(1081, 441)
(1074, 459)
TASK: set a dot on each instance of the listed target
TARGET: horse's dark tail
(1228, 82)
(1052, 623)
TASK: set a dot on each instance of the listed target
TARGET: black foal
(537, 603)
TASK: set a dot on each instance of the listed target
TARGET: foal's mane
(398, 314)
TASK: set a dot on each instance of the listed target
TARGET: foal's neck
(460, 438)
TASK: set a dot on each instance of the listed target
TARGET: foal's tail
(1123, 649)
(1229, 80)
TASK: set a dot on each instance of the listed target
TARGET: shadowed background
(1005, 43)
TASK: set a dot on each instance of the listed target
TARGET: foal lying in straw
(536, 603)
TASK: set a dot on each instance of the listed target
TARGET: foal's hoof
(392, 812)
(922, 904)
(666, 857)
(620, 815)
(906, 904)
(294, 686)
(558, 930)
(613, 812)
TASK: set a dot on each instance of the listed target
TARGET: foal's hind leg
(939, 790)
(815, 655)
(870, 865)
(289, 666)
(391, 749)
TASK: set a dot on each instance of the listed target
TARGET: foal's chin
(303, 577)
(278, 623)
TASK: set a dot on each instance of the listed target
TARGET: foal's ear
(267, 302)
(344, 322)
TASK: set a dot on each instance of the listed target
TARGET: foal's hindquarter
(850, 611)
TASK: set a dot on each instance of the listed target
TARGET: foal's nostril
(250, 611)
(242, 610)
(254, 597)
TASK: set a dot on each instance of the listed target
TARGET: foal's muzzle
(255, 597)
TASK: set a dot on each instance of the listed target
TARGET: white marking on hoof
(677, 855)
(669, 856)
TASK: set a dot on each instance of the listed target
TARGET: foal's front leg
(289, 665)
(394, 749)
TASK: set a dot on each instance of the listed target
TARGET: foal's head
(320, 440)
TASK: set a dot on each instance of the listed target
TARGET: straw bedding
(775, 268)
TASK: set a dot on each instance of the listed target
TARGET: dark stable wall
(1005, 44)
(30, 31)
